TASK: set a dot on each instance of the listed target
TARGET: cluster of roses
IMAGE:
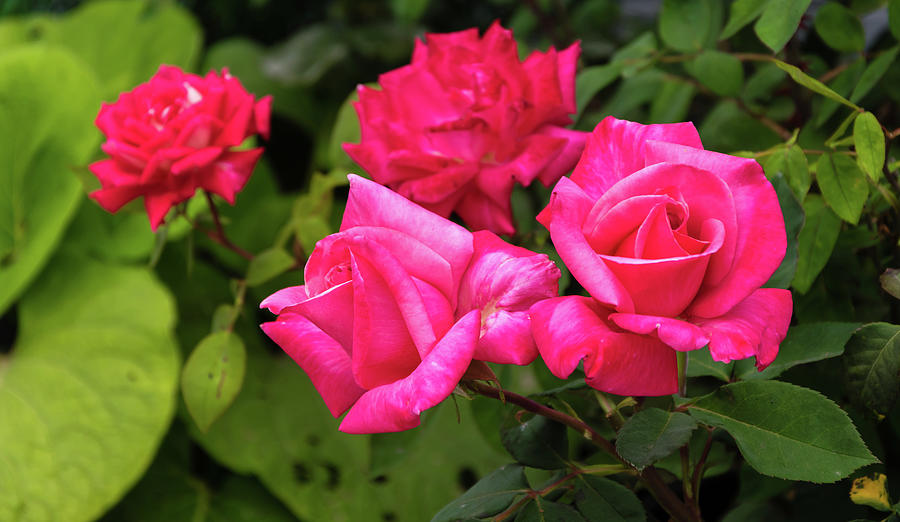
(671, 241)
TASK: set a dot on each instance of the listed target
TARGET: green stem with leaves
(678, 510)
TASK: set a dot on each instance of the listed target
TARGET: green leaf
(793, 224)
(786, 431)
(811, 83)
(805, 343)
(762, 84)
(124, 236)
(155, 33)
(652, 434)
(604, 499)
(537, 442)
(842, 84)
(843, 185)
(488, 496)
(540, 510)
(791, 163)
(212, 376)
(279, 430)
(894, 17)
(672, 102)
(684, 24)
(890, 281)
(592, 80)
(268, 264)
(873, 73)
(408, 11)
(721, 72)
(345, 130)
(779, 22)
(701, 364)
(816, 241)
(42, 136)
(872, 362)
(742, 13)
(305, 57)
(868, 139)
(84, 403)
(839, 28)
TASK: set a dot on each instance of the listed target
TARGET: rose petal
(570, 206)
(374, 205)
(569, 329)
(320, 356)
(759, 236)
(566, 159)
(284, 298)
(331, 311)
(506, 338)
(616, 149)
(396, 406)
(754, 327)
(383, 350)
(680, 335)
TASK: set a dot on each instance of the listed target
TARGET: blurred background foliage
(98, 429)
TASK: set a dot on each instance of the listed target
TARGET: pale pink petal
(678, 334)
(396, 406)
(616, 149)
(320, 356)
(754, 327)
(759, 236)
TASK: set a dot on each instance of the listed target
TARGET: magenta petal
(570, 206)
(372, 204)
(396, 406)
(504, 276)
(565, 330)
(760, 239)
(114, 198)
(568, 329)
(567, 158)
(616, 149)
(284, 298)
(383, 350)
(331, 311)
(754, 327)
(680, 335)
(631, 364)
(320, 356)
(157, 206)
(506, 338)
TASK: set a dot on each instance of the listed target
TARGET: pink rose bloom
(673, 243)
(175, 134)
(398, 303)
(455, 129)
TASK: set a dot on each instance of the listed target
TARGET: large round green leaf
(87, 392)
(47, 105)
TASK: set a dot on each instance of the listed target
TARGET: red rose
(175, 134)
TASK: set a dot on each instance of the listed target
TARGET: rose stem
(219, 234)
(666, 498)
(682, 362)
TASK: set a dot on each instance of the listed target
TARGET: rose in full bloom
(456, 128)
(174, 134)
(398, 303)
(673, 243)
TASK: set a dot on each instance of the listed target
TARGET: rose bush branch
(657, 487)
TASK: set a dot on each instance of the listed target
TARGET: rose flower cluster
(671, 242)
